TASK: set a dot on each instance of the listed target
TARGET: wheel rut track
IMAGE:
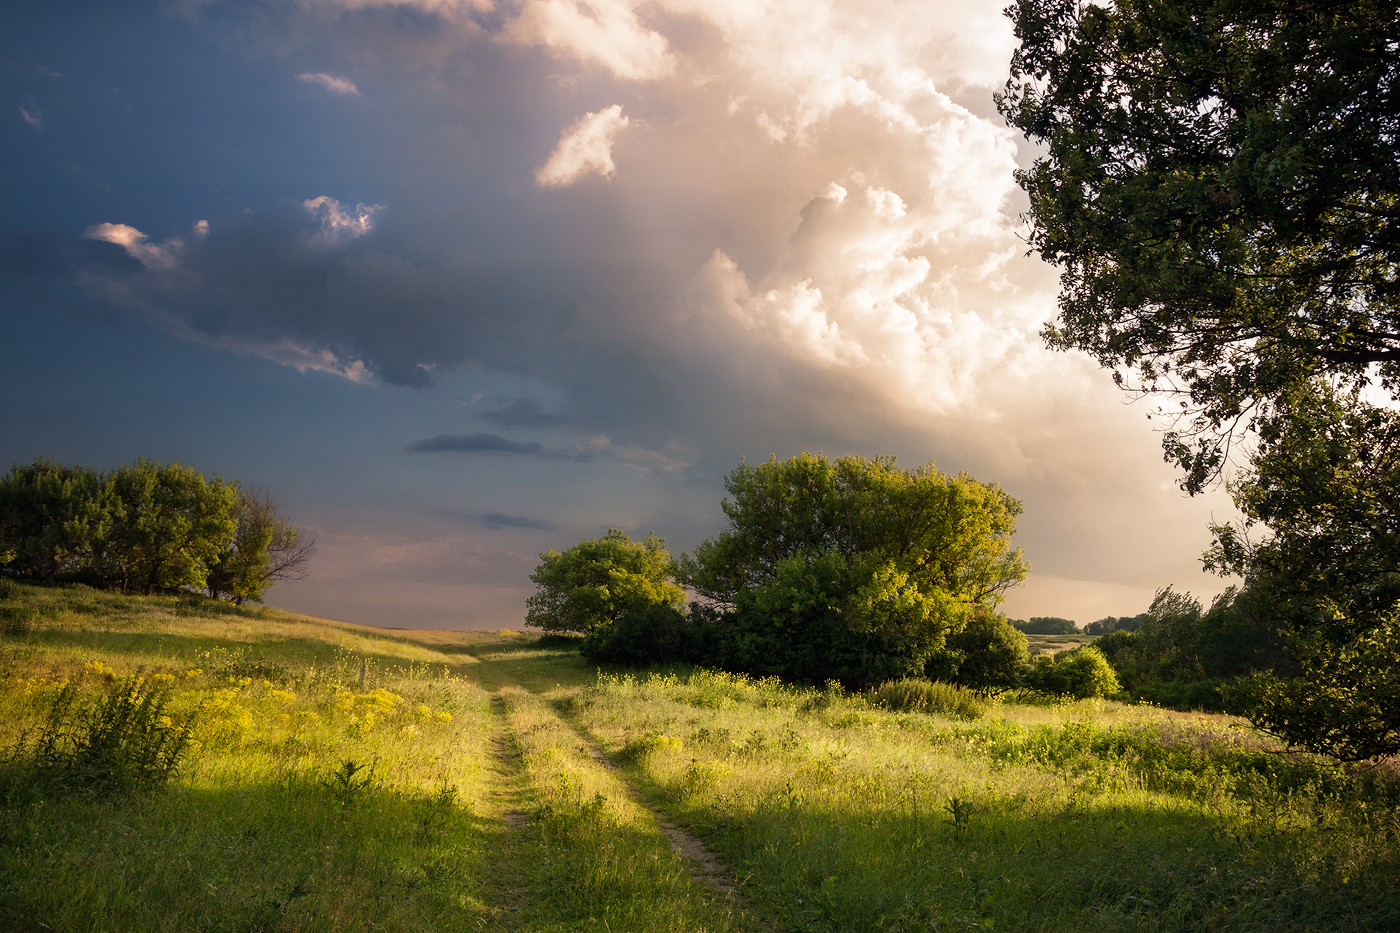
(704, 864)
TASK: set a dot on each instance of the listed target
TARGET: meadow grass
(1087, 816)
(345, 778)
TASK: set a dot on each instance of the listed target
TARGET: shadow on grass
(302, 853)
(857, 860)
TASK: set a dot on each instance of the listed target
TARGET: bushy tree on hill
(988, 655)
(265, 549)
(1081, 674)
(168, 525)
(852, 569)
(593, 583)
(143, 528)
(848, 569)
(51, 515)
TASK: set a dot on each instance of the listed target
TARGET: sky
(460, 281)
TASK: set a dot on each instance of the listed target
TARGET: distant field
(354, 779)
(1054, 644)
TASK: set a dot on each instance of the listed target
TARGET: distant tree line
(145, 528)
(1046, 625)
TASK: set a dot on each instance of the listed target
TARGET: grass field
(343, 778)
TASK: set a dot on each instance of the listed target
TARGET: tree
(265, 549)
(592, 583)
(989, 656)
(1081, 674)
(50, 517)
(852, 569)
(1220, 186)
(1185, 657)
(168, 526)
(1325, 481)
(1109, 624)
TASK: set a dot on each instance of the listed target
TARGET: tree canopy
(596, 581)
(1218, 185)
(853, 569)
(1325, 481)
(144, 528)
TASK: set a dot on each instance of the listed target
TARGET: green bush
(989, 656)
(651, 633)
(912, 695)
(9, 589)
(1082, 673)
(121, 743)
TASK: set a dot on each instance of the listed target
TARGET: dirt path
(704, 865)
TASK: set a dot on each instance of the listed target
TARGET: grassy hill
(345, 778)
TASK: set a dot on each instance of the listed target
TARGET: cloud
(35, 119)
(159, 256)
(330, 82)
(813, 244)
(584, 148)
(521, 413)
(476, 444)
(599, 32)
(498, 520)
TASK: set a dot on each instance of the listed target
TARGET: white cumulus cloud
(600, 32)
(584, 148)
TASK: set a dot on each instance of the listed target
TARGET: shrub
(1082, 673)
(9, 589)
(649, 633)
(922, 696)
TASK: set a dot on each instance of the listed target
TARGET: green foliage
(51, 517)
(597, 580)
(1326, 579)
(1115, 624)
(265, 549)
(851, 569)
(1186, 658)
(1218, 187)
(1046, 625)
(1083, 673)
(122, 743)
(650, 633)
(144, 528)
(913, 695)
(988, 656)
(169, 525)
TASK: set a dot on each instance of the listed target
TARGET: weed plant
(120, 743)
(923, 696)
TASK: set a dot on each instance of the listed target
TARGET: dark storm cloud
(522, 413)
(477, 444)
(498, 520)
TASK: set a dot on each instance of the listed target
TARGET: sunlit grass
(1086, 816)
(345, 778)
